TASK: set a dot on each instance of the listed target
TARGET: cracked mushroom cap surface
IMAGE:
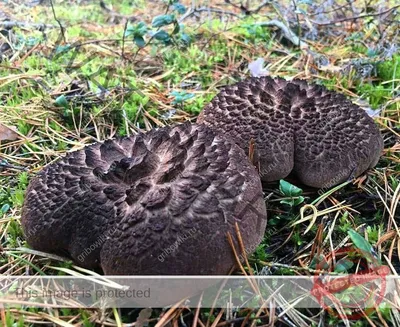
(319, 135)
(159, 203)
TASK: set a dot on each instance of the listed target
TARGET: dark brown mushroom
(159, 203)
(317, 134)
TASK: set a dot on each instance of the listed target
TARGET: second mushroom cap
(319, 135)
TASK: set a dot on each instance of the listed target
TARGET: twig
(196, 315)
(356, 17)
(289, 34)
(246, 10)
(329, 11)
(169, 314)
(295, 268)
(123, 39)
(241, 7)
(115, 14)
(298, 20)
(40, 27)
(58, 22)
(255, 11)
(192, 11)
(7, 165)
(232, 321)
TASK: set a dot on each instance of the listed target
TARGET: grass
(62, 94)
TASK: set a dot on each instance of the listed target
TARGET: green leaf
(163, 20)
(300, 11)
(294, 201)
(343, 265)
(162, 36)
(61, 101)
(289, 202)
(5, 208)
(139, 40)
(129, 31)
(307, 2)
(360, 243)
(180, 8)
(177, 28)
(289, 189)
(298, 201)
(372, 52)
(140, 29)
(319, 262)
(185, 38)
(62, 48)
(181, 96)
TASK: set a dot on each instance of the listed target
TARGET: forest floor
(75, 72)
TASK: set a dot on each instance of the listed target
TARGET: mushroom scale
(159, 203)
(318, 134)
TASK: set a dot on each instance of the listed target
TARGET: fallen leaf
(8, 133)
(257, 69)
(330, 68)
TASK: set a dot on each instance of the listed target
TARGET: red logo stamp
(357, 288)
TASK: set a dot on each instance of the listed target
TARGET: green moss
(252, 32)
(390, 69)
(376, 95)
(198, 103)
(359, 48)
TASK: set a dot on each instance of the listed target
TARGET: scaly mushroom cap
(318, 134)
(159, 203)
